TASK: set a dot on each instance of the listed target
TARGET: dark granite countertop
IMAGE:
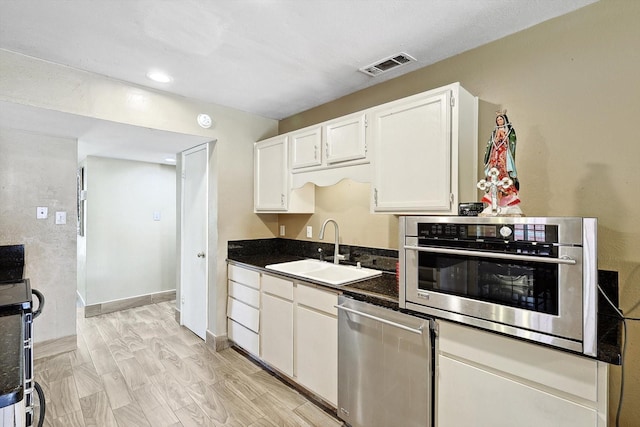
(11, 358)
(383, 290)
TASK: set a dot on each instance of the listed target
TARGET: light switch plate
(42, 212)
(309, 231)
(282, 230)
(61, 218)
(156, 215)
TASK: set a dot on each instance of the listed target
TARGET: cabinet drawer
(243, 314)
(242, 275)
(548, 367)
(244, 293)
(244, 337)
(317, 299)
(278, 287)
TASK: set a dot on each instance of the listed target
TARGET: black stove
(17, 313)
(15, 295)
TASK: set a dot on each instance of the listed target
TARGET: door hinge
(452, 101)
(451, 198)
(184, 174)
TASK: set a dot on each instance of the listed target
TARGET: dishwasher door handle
(379, 319)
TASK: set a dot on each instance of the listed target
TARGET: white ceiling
(273, 58)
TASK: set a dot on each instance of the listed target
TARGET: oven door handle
(379, 319)
(562, 260)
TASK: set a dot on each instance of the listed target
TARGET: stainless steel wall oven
(535, 278)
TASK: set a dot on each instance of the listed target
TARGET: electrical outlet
(282, 230)
(42, 212)
(309, 231)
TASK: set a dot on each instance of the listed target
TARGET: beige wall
(38, 170)
(572, 90)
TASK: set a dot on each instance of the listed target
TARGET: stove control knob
(505, 231)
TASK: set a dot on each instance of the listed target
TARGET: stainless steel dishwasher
(384, 366)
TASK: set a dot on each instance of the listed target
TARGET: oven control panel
(534, 233)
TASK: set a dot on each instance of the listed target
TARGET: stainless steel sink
(325, 272)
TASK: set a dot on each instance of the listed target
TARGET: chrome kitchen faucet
(336, 250)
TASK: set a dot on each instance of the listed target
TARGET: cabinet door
(345, 139)
(270, 175)
(492, 400)
(306, 148)
(317, 352)
(412, 154)
(276, 333)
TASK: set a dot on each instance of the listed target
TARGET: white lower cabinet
(243, 308)
(277, 323)
(317, 341)
(299, 334)
(484, 379)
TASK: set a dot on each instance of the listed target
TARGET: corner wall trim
(217, 343)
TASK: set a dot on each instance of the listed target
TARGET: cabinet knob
(201, 255)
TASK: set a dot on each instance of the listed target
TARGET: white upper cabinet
(420, 153)
(425, 152)
(345, 140)
(306, 148)
(270, 174)
(331, 151)
(272, 191)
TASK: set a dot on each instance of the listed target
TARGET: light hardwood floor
(138, 367)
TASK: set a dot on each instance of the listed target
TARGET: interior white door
(193, 257)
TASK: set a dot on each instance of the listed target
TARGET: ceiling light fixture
(159, 76)
(170, 160)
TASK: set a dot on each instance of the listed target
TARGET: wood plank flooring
(138, 367)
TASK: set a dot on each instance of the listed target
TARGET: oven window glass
(522, 284)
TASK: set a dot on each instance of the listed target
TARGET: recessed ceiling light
(159, 76)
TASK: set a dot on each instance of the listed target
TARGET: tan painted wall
(572, 90)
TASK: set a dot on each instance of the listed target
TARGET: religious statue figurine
(501, 183)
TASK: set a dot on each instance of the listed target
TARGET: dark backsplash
(11, 262)
(609, 322)
(380, 259)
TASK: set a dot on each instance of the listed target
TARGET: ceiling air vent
(387, 64)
